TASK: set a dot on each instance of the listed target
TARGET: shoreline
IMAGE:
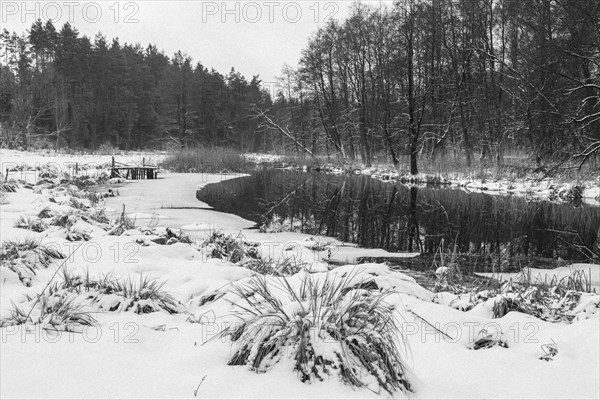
(535, 187)
(588, 192)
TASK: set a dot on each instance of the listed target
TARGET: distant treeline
(467, 78)
(64, 89)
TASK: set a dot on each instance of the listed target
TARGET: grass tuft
(324, 327)
(65, 311)
(146, 289)
(25, 256)
(141, 296)
(8, 187)
(282, 267)
(55, 312)
(16, 316)
(227, 247)
(31, 223)
(548, 298)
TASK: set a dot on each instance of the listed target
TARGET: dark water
(487, 230)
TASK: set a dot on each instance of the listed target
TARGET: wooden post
(123, 215)
(112, 171)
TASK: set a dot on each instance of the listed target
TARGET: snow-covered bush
(143, 295)
(227, 247)
(73, 300)
(282, 267)
(550, 299)
(58, 312)
(31, 223)
(6, 187)
(325, 326)
(23, 257)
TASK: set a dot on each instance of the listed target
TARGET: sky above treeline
(254, 37)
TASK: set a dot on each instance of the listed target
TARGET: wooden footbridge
(120, 170)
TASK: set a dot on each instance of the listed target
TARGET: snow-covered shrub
(505, 304)
(141, 296)
(282, 267)
(58, 312)
(78, 204)
(146, 295)
(325, 326)
(83, 181)
(168, 236)
(247, 255)
(49, 172)
(6, 187)
(32, 224)
(46, 212)
(487, 340)
(550, 299)
(24, 257)
(227, 247)
(72, 301)
(98, 214)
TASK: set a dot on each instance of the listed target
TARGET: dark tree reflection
(372, 213)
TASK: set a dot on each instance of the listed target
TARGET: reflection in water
(372, 213)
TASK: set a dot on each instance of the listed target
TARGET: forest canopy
(59, 85)
(420, 78)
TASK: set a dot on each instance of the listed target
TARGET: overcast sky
(255, 37)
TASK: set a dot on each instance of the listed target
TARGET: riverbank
(506, 182)
(157, 347)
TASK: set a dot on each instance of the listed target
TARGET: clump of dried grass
(326, 328)
(225, 247)
(56, 312)
(25, 256)
(35, 224)
(233, 249)
(486, 340)
(548, 298)
(282, 267)
(8, 187)
(143, 295)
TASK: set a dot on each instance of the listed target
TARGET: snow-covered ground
(26, 165)
(163, 355)
(41, 157)
(531, 187)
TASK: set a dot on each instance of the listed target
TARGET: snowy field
(104, 327)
